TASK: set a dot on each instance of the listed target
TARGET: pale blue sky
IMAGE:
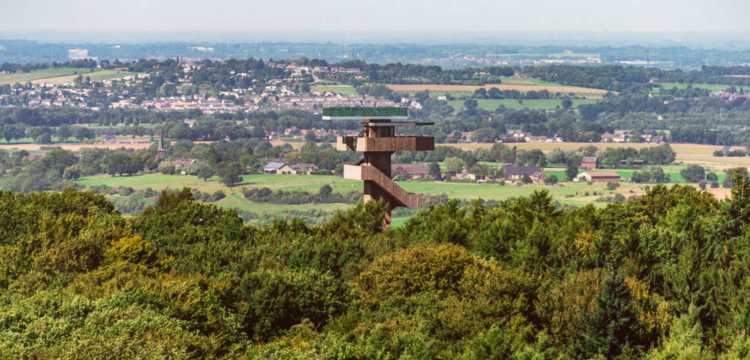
(375, 16)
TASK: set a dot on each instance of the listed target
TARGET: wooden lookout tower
(377, 142)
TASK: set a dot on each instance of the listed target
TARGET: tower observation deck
(377, 142)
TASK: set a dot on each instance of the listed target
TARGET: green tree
(325, 191)
(693, 173)
(454, 164)
(571, 171)
(684, 341)
(434, 171)
(613, 327)
(204, 172)
(471, 106)
(567, 103)
(230, 173)
(532, 157)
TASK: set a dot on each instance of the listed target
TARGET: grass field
(524, 86)
(98, 75)
(672, 170)
(38, 75)
(58, 76)
(709, 87)
(235, 199)
(536, 104)
(345, 90)
(576, 194)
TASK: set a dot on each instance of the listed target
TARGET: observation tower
(377, 142)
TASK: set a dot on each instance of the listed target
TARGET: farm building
(273, 167)
(518, 172)
(185, 166)
(599, 177)
(588, 163)
(298, 169)
(464, 176)
(410, 171)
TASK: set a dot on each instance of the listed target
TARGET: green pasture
(23, 77)
(672, 170)
(62, 74)
(513, 104)
(346, 90)
(709, 87)
(568, 193)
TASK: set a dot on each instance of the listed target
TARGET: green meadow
(513, 104)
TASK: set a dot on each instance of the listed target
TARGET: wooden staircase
(367, 172)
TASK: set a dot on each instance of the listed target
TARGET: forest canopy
(660, 275)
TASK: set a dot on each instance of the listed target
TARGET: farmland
(58, 76)
(234, 197)
(709, 87)
(576, 194)
(98, 75)
(134, 144)
(522, 87)
(513, 104)
(673, 171)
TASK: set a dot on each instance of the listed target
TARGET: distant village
(279, 94)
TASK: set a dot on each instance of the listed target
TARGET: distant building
(185, 166)
(410, 171)
(514, 137)
(608, 137)
(588, 163)
(622, 136)
(78, 54)
(517, 172)
(464, 176)
(298, 169)
(273, 167)
(536, 139)
(599, 177)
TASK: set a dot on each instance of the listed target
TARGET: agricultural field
(58, 76)
(513, 104)
(709, 87)
(124, 143)
(98, 75)
(673, 171)
(520, 85)
(345, 90)
(575, 194)
(234, 197)
(38, 75)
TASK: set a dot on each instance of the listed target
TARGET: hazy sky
(375, 16)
